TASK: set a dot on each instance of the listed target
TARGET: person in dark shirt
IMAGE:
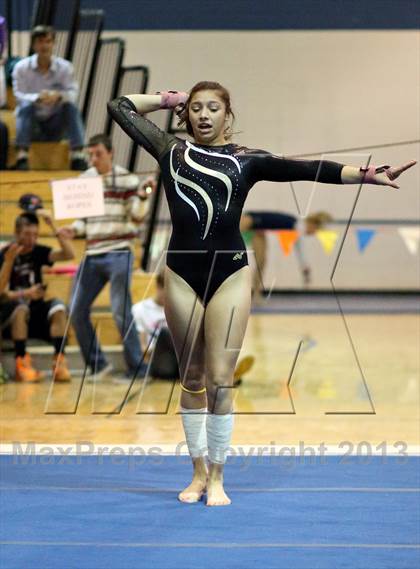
(4, 145)
(29, 313)
(207, 277)
(6, 308)
(253, 226)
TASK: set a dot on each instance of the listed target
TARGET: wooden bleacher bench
(14, 183)
(9, 211)
(49, 155)
(142, 286)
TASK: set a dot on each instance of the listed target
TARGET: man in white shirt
(46, 93)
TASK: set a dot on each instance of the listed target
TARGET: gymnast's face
(207, 114)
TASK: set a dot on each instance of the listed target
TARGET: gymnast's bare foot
(216, 495)
(194, 492)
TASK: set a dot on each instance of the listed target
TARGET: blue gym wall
(245, 14)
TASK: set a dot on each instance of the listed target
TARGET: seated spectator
(3, 57)
(109, 258)
(4, 133)
(149, 317)
(6, 308)
(4, 145)
(156, 340)
(46, 94)
(10, 254)
(28, 314)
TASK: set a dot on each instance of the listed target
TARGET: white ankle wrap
(194, 423)
(219, 433)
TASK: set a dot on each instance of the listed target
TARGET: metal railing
(104, 85)
(132, 80)
(85, 51)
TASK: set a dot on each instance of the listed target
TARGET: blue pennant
(363, 237)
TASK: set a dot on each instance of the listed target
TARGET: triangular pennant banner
(364, 236)
(248, 236)
(326, 389)
(287, 238)
(327, 237)
(411, 237)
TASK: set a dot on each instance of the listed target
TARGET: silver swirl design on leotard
(217, 154)
(177, 178)
(219, 175)
(183, 196)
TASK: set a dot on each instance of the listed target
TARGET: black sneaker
(79, 164)
(21, 164)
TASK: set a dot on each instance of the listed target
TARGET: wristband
(369, 173)
(171, 99)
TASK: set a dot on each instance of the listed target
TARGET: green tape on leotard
(248, 236)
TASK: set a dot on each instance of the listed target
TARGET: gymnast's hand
(173, 99)
(385, 175)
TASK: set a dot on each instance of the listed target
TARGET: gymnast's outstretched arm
(279, 169)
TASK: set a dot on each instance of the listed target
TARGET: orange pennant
(287, 238)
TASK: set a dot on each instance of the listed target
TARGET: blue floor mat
(105, 512)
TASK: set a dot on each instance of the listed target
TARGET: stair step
(42, 358)
(15, 183)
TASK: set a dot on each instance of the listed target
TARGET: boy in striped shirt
(109, 258)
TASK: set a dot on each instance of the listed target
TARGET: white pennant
(411, 237)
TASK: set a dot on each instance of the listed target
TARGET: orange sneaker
(60, 370)
(25, 372)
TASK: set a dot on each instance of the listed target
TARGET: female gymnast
(207, 278)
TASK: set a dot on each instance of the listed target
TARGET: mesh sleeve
(141, 130)
(274, 168)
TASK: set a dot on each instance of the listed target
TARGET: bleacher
(14, 184)
(99, 70)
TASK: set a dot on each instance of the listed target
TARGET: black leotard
(206, 187)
